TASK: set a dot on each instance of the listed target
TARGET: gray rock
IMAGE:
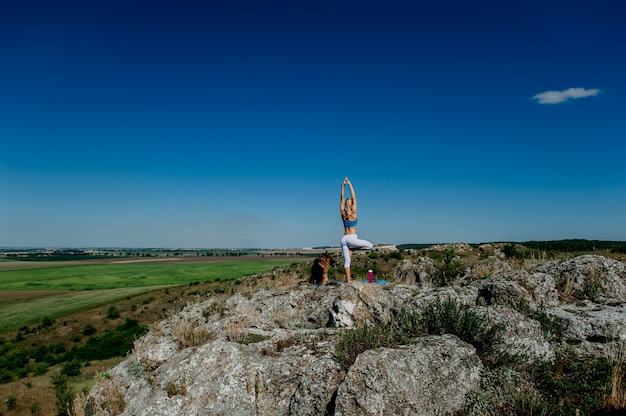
(579, 272)
(543, 289)
(422, 273)
(413, 380)
(593, 326)
(497, 291)
(523, 336)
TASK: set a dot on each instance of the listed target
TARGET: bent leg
(355, 243)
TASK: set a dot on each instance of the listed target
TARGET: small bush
(58, 348)
(191, 334)
(451, 317)
(616, 356)
(252, 339)
(110, 400)
(5, 376)
(40, 369)
(397, 255)
(591, 289)
(71, 368)
(47, 322)
(89, 329)
(355, 341)
(11, 402)
(571, 383)
(112, 312)
(438, 318)
(135, 369)
(450, 267)
(174, 389)
(216, 307)
(509, 250)
(109, 344)
(35, 409)
(64, 395)
(550, 328)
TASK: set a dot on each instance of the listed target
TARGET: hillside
(454, 328)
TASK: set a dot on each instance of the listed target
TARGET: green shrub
(451, 317)
(89, 329)
(71, 368)
(591, 289)
(109, 344)
(35, 409)
(39, 353)
(112, 312)
(135, 369)
(450, 267)
(58, 348)
(551, 328)
(40, 369)
(64, 395)
(14, 359)
(509, 250)
(252, 339)
(47, 322)
(397, 255)
(355, 341)
(11, 402)
(374, 255)
(438, 318)
(571, 385)
(5, 376)
(127, 324)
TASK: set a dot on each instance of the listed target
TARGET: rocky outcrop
(422, 273)
(275, 351)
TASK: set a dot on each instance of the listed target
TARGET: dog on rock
(319, 270)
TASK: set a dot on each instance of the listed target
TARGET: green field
(112, 276)
(82, 287)
(14, 315)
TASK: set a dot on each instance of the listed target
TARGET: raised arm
(352, 194)
(342, 197)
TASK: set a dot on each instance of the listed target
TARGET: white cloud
(555, 97)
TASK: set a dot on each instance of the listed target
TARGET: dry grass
(236, 331)
(108, 401)
(191, 334)
(617, 357)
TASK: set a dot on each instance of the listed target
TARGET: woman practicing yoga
(350, 241)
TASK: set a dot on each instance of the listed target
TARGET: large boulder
(423, 273)
(588, 275)
(428, 378)
(498, 291)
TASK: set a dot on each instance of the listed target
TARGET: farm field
(129, 274)
(30, 294)
(24, 311)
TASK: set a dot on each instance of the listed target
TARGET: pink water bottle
(370, 276)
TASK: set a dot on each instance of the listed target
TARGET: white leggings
(352, 242)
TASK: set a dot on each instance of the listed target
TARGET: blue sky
(233, 123)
